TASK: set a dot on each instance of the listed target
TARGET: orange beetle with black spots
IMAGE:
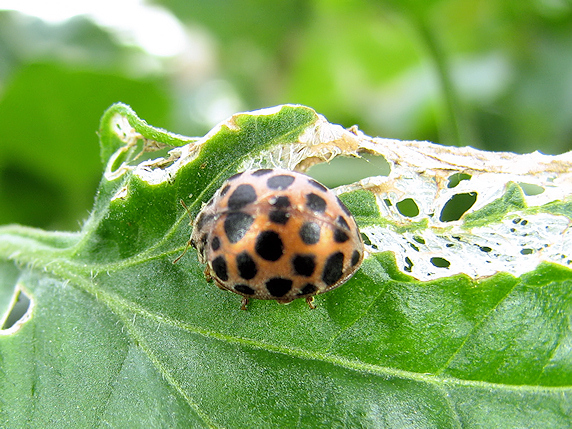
(276, 234)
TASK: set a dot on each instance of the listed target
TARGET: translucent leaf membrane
(458, 317)
(477, 213)
(445, 210)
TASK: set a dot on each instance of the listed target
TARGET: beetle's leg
(244, 303)
(310, 301)
(208, 275)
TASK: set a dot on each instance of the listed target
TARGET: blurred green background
(493, 74)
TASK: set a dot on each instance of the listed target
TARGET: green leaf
(117, 335)
(49, 167)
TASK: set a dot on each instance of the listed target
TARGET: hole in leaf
(387, 202)
(440, 262)
(343, 170)
(485, 249)
(152, 152)
(457, 206)
(365, 239)
(118, 161)
(17, 311)
(526, 251)
(409, 265)
(531, 189)
(456, 178)
(126, 155)
(418, 239)
(142, 150)
(408, 207)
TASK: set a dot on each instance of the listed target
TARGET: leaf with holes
(458, 317)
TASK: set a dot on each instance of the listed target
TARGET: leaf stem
(457, 128)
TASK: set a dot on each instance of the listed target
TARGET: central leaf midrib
(329, 358)
(119, 305)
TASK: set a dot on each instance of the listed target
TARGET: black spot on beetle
(342, 222)
(242, 196)
(316, 203)
(219, 267)
(310, 232)
(280, 182)
(355, 258)
(333, 269)
(246, 266)
(203, 241)
(318, 185)
(307, 289)
(340, 236)
(203, 219)
(244, 289)
(236, 225)
(304, 265)
(279, 216)
(269, 245)
(282, 202)
(262, 172)
(343, 207)
(224, 190)
(278, 286)
(215, 243)
(235, 176)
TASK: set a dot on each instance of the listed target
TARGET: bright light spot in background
(152, 28)
(214, 101)
(189, 53)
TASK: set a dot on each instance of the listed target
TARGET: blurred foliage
(491, 74)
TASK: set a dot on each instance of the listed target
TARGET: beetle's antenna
(186, 208)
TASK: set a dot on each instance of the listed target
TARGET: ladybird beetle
(276, 234)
